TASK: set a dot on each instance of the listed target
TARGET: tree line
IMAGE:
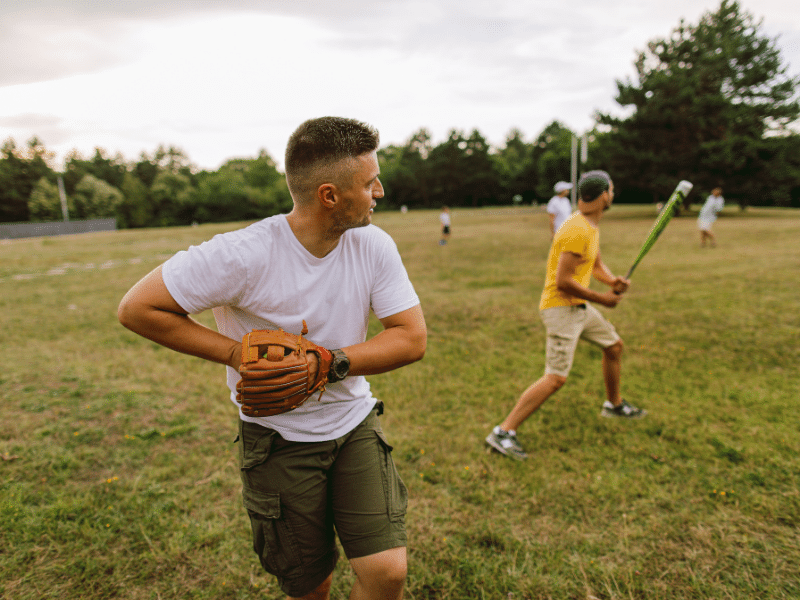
(161, 189)
(712, 103)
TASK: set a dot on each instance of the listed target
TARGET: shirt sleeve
(572, 239)
(206, 276)
(393, 291)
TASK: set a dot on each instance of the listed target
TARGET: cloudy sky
(224, 79)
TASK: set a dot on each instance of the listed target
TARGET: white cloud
(225, 79)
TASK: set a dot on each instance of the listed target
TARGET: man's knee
(386, 570)
(394, 567)
(395, 575)
(556, 382)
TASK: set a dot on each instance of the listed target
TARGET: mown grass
(119, 477)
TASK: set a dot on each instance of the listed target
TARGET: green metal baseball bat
(680, 193)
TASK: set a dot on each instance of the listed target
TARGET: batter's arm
(568, 263)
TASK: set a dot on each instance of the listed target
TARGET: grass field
(119, 479)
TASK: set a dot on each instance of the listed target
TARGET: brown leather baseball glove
(277, 375)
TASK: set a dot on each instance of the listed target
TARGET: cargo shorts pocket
(273, 535)
(255, 443)
(394, 489)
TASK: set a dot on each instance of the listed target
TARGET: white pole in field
(573, 194)
(584, 149)
(63, 195)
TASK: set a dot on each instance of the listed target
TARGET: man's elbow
(127, 314)
(418, 347)
(123, 313)
(564, 285)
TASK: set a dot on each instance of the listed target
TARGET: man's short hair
(322, 142)
(592, 184)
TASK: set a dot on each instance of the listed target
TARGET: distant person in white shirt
(444, 219)
(708, 214)
(559, 206)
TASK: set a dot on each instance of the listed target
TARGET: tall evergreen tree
(708, 102)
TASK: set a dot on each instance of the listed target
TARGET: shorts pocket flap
(264, 504)
(382, 438)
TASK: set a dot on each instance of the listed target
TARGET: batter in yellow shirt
(576, 236)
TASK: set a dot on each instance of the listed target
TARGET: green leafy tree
(448, 170)
(462, 171)
(94, 199)
(481, 183)
(135, 209)
(515, 167)
(709, 104)
(109, 169)
(146, 169)
(20, 170)
(405, 172)
(149, 167)
(225, 195)
(262, 171)
(171, 201)
(45, 202)
(552, 157)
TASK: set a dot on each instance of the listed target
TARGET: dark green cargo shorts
(297, 492)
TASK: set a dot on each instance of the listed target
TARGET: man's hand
(313, 366)
(620, 285)
(280, 371)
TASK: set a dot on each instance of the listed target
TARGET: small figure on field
(444, 219)
(559, 207)
(323, 468)
(708, 214)
(573, 259)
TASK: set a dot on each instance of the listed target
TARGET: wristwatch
(340, 366)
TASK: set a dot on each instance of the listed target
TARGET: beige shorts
(565, 326)
(705, 224)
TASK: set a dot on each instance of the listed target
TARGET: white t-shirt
(713, 204)
(261, 277)
(444, 219)
(561, 208)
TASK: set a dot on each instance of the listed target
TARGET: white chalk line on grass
(79, 267)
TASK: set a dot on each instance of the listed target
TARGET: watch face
(341, 367)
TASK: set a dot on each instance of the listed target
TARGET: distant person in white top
(708, 214)
(444, 219)
(559, 206)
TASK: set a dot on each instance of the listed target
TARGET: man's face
(358, 198)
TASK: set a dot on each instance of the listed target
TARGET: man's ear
(326, 195)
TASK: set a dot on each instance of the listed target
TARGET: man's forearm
(181, 333)
(389, 350)
(571, 287)
(402, 341)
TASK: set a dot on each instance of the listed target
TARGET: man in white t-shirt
(324, 468)
(559, 207)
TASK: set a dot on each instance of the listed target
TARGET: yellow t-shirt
(578, 236)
